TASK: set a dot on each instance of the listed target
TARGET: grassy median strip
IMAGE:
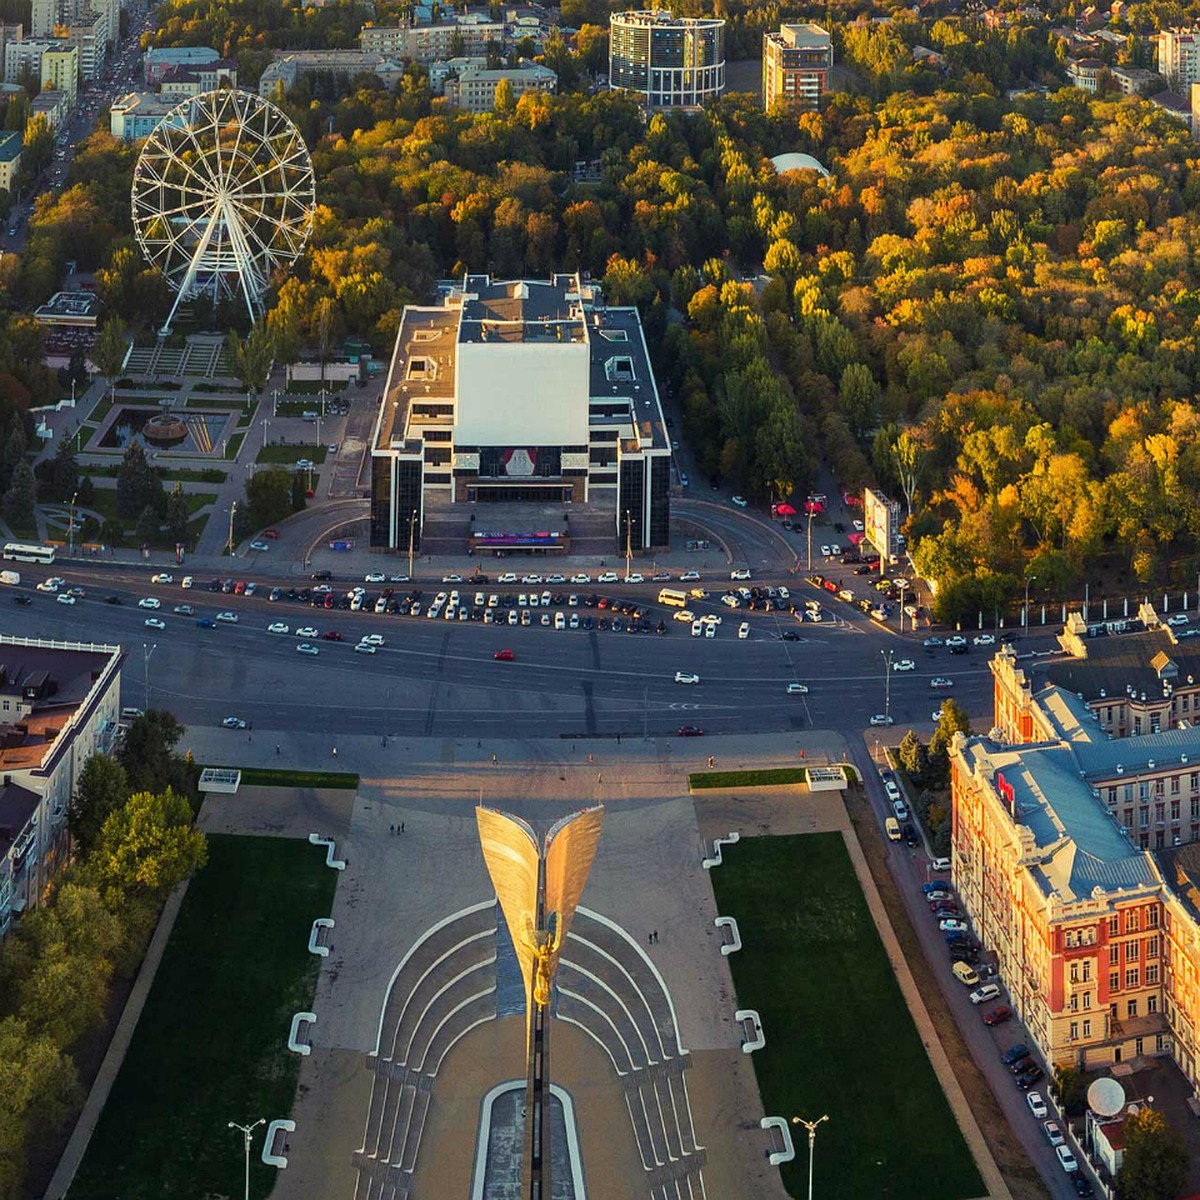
(211, 1045)
(840, 1038)
(770, 777)
(269, 777)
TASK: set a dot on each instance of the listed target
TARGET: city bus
(16, 552)
(672, 599)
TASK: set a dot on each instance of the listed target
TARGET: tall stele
(223, 196)
(539, 886)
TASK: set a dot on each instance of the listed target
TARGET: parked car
(1037, 1105)
(1082, 1184)
(1026, 1080)
(1053, 1132)
(1066, 1159)
(982, 995)
(1014, 1054)
(997, 1015)
(882, 719)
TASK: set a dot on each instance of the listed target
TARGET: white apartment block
(1179, 57)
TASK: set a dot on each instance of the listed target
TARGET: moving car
(905, 664)
(162, 577)
(881, 719)
(690, 731)
(278, 627)
(373, 639)
(956, 640)
(154, 623)
(145, 601)
(307, 648)
(941, 682)
(744, 630)
(740, 501)
(260, 545)
(983, 639)
(741, 574)
(1178, 619)
(797, 689)
(504, 656)
(686, 677)
(184, 610)
(227, 618)
(65, 598)
(365, 648)
(234, 723)
(307, 631)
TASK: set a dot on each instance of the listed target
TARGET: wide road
(436, 677)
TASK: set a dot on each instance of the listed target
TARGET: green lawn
(275, 453)
(769, 777)
(267, 777)
(211, 1043)
(840, 1039)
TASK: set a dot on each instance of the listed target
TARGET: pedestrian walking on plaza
(656, 937)
(599, 777)
(278, 751)
(495, 760)
(401, 826)
(391, 829)
(335, 752)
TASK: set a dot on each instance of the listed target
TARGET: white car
(784, 593)
(574, 621)
(986, 639)
(373, 639)
(63, 598)
(234, 723)
(634, 579)
(1053, 1132)
(1037, 1105)
(52, 585)
(154, 623)
(741, 574)
(375, 577)
(445, 579)
(162, 577)
(307, 648)
(184, 610)
(859, 527)
(278, 627)
(826, 552)
(607, 577)
(905, 664)
(882, 719)
(186, 582)
(556, 579)
(941, 682)
(538, 579)
(697, 628)
(145, 601)
(954, 925)
(1178, 619)
(797, 689)
(686, 677)
(731, 601)
(937, 714)
(685, 614)
(260, 545)
(227, 618)
(1066, 1159)
(507, 577)
(581, 578)
(306, 631)
(956, 640)
(744, 630)
(740, 501)
(364, 648)
(710, 629)
(690, 577)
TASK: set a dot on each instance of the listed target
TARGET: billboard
(881, 517)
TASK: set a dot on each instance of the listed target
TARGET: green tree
(1156, 1162)
(146, 529)
(148, 845)
(253, 356)
(858, 397)
(64, 470)
(58, 963)
(38, 1092)
(149, 758)
(101, 789)
(15, 446)
(138, 486)
(109, 351)
(913, 756)
(177, 515)
(21, 498)
(268, 497)
(1071, 1085)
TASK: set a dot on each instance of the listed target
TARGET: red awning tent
(785, 510)
(856, 539)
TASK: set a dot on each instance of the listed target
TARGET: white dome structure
(797, 162)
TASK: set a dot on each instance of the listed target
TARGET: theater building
(520, 393)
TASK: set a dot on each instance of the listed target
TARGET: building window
(1114, 926)
(1131, 921)
(1152, 947)
(1131, 977)
(1174, 785)
(1087, 970)
(1114, 956)
(1087, 1029)
(1151, 979)
(1152, 917)
(1074, 1003)
(1114, 981)
(1074, 972)
(1112, 796)
(1143, 816)
(1133, 951)
(1131, 1008)
(1087, 999)
(1074, 1030)
(1174, 810)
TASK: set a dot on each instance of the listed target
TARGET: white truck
(12, 578)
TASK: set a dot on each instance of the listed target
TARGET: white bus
(16, 552)
(672, 599)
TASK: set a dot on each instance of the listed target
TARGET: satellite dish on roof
(1106, 1097)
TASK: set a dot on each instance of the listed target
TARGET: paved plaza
(646, 878)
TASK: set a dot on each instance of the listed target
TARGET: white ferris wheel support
(223, 196)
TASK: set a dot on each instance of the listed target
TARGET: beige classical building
(474, 87)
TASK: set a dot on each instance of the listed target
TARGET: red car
(997, 1015)
(690, 731)
(273, 534)
(504, 656)
(332, 635)
(328, 600)
(239, 587)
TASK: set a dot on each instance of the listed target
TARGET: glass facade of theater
(671, 61)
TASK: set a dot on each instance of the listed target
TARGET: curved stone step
(630, 1020)
(470, 967)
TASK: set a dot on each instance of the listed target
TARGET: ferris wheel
(223, 196)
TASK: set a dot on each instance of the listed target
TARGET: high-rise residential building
(1179, 57)
(24, 58)
(796, 63)
(427, 43)
(669, 61)
(60, 72)
(10, 159)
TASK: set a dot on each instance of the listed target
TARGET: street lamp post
(810, 517)
(71, 525)
(887, 686)
(147, 650)
(412, 526)
(628, 543)
(811, 1126)
(232, 513)
(247, 1132)
(1025, 611)
(902, 584)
